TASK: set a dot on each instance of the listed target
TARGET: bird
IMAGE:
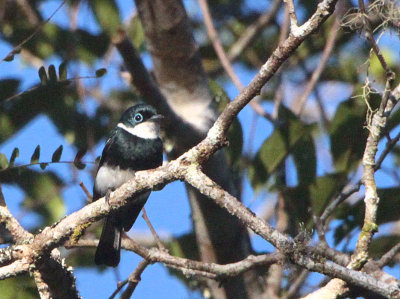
(133, 145)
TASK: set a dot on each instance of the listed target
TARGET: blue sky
(168, 209)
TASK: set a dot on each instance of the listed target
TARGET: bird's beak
(157, 118)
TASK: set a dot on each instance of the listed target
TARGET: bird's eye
(138, 117)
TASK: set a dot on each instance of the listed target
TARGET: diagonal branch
(134, 279)
(319, 69)
(252, 31)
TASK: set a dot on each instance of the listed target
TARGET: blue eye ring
(138, 117)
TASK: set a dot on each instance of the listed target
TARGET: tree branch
(134, 279)
(252, 31)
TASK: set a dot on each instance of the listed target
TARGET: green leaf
(297, 203)
(77, 161)
(107, 14)
(3, 161)
(135, 32)
(347, 145)
(42, 193)
(353, 215)
(79, 165)
(52, 74)
(380, 245)
(44, 198)
(42, 75)
(43, 165)
(305, 160)
(57, 154)
(14, 155)
(9, 57)
(24, 284)
(101, 72)
(323, 190)
(36, 155)
(279, 145)
(62, 71)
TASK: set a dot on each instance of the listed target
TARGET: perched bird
(133, 145)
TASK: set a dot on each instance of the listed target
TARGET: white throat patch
(145, 130)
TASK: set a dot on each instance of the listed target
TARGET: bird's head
(142, 121)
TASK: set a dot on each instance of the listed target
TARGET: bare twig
(296, 285)
(371, 39)
(217, 271)
(153, 231)
(86, 191)
(292, 15)
(300, 103)
(275, 273)
(389, 146)
(212, 33)
(14, 269)
(252, 31)
(388, 256)
(38, 163)
(19, 234)
(37, 29)
(351, 189)
(134, 279)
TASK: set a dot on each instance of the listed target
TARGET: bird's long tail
(108, 250)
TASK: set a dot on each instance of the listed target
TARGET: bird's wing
(110, 141)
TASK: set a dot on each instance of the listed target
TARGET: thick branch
(218, 271)
(14, 269)
(19, 234)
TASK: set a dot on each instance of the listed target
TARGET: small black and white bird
(133, 145)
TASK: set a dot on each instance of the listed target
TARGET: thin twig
(292, 15)
(38, 163)
(338, 200)
(296, 285)
(134, 279)
(226, 64)
(153, 231)
(252, 31)
(36, 87)
(389, 146)
(38, 28)
(388, 256)
(371, 39)
(217, 271)
(86, 191)
(120, 285)
(300, 103)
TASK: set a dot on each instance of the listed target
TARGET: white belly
(111, 178)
